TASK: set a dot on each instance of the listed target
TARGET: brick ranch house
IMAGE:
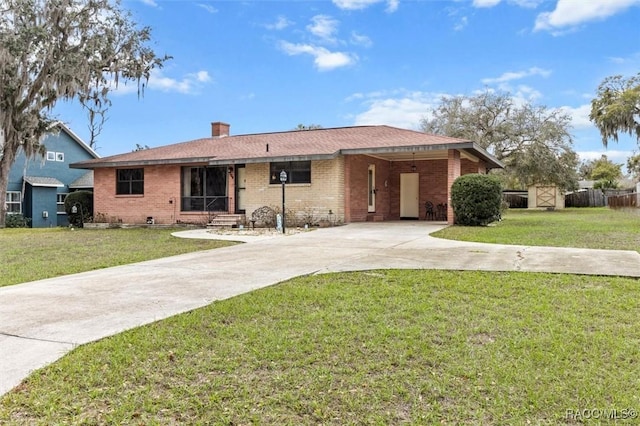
(347, 174)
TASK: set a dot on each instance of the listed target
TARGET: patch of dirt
(482, 339)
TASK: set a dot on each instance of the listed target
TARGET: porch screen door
(409, 196)
(371, 188)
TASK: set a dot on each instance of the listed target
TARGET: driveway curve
(42, 320)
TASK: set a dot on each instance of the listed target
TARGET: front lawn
(34, 254)
(377, 347)
(598, 228)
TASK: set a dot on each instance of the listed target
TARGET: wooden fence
(623, 201)
(585, 198)
(516, 199)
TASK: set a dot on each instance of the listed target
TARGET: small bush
(476, 199)
(83, 203)
(17, 221)
(265, 217)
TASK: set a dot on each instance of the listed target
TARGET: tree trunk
(6, 161)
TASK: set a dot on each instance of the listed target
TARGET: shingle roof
(297, 144)
(84, 181)
(43, 181)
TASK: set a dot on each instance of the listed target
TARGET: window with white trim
(14, 202)
(60, 202)
(55, 156)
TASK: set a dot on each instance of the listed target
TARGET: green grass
(599, 228)
(34, 254)
(378, 347)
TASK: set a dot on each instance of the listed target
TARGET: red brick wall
(454, 163)
(161, 199)
(432, 181)
(435, 183)
(468, 166)
(356, 186)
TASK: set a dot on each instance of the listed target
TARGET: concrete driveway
(43, 320)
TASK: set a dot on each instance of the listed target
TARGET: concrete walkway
(43, 320)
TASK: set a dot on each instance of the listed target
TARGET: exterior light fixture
(413, 164)
(283, 180)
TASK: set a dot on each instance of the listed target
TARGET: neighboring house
(348, 174)
(38, 186)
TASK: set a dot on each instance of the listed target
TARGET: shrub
(476, 199)
(265, 216)
(83, 203)
(17, 221)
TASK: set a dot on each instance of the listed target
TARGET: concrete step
(375, 218)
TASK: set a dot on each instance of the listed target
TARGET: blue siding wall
(41, 199)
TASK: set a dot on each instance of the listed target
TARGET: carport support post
(283, 179)
(453, 172)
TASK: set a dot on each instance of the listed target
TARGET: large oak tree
(52, 50)
(616, 108)
(534, 142)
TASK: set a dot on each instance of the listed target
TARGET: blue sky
(265, 66)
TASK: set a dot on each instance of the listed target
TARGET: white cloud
(324, 27)
(324, 59)
(619, 157)
(280, 24)
(517, 75)
(570, 13)
(360, 39)
(208, 7)
(632, 60)
(400, 108)
(392, 5)
(485, 3)
(202, 76)
(529, 4)
(189, 84)
(523, 94)
(150, 3)
(579, 116)
(461, 24)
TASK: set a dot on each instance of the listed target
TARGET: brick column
(347, 188)
(231, 189)
(453, 172)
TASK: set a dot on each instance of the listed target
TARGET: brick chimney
(219, 129)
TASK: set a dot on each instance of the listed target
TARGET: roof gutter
(477, 150)
(310, 157)
(91, 164)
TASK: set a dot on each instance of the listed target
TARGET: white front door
(371, 188)
(409, 195)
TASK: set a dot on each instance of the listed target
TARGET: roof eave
(77, 138)
(492, 162)
(93, 164)
(255, 160)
